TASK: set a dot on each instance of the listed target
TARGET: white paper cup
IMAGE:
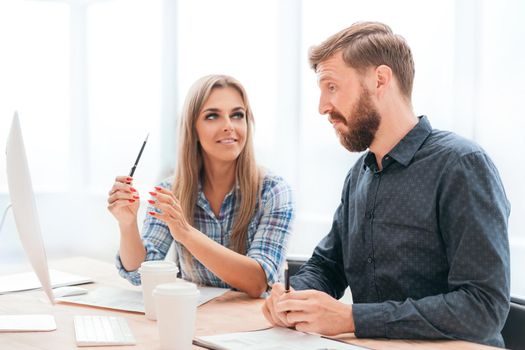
(153, 273)
(176, 305)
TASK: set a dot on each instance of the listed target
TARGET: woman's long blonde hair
(248, 177)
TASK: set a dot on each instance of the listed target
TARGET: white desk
(232, 312)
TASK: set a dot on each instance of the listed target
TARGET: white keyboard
(102, 331)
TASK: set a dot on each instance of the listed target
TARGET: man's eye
(331, 87)
(238, 115)
(211, 116)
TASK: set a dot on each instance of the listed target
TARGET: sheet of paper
(27, 323)
(272, 338)
(28, 280)
(129, 300)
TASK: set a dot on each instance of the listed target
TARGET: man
(420, 235)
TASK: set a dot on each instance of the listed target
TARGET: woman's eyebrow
(211, 110)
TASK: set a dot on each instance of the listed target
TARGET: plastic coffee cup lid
(160, 266)
(176, 288)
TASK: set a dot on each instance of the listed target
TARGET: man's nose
(325, 107)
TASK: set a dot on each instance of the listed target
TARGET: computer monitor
(24, 206)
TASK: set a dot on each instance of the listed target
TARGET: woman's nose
(228, 126)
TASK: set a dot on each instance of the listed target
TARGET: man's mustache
(338, 116)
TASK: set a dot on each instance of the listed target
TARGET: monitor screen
(24, 206)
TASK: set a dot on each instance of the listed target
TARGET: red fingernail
(151, 202)
(129, 178)
(131, 200)
(158, 188)
(136, 197)
(153, 193)
(132, 189)
(151, 213)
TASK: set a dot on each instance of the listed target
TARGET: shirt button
(369, 259)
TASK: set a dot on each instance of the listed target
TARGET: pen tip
(146, 137)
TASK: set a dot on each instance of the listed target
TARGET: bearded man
(420, 235)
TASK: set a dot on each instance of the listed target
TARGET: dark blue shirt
(422, 243)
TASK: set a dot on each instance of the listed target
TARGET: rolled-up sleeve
(270, 241)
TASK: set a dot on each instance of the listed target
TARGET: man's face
(347, 101)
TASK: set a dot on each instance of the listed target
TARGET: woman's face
(221, 125)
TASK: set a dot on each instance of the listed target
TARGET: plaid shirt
(267, 239)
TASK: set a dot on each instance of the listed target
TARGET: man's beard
(362, 124)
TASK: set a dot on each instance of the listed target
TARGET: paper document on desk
(129, 300)
(27, 280)
(271, 338)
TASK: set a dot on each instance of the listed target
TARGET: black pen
(286, 278)
(138, 157)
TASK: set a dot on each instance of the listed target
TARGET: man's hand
(269, 307)
(313, 311)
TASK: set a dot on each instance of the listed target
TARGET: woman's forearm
(132, 251)
(237, 270)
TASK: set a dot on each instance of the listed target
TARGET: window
(34, 66)
(91, 78)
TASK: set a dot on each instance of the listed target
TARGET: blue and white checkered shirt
(267, 239)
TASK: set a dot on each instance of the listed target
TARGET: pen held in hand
(286, 278)
(138, 157)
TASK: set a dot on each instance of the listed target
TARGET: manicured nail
(136, 197)
(158, 188)
(132, 189)
(153, 193)
(131, 200)
(129, 178)
(152, 213)
(150, 201)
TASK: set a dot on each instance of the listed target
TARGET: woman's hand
(171, 213)
(123, 201)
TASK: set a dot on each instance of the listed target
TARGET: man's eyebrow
(322, 78)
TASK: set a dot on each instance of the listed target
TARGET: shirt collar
(406, 149)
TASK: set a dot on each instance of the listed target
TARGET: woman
(230, 220)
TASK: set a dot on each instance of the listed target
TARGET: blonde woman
(229, 219)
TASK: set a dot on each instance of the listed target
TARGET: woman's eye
(211, 116)
(238, 115)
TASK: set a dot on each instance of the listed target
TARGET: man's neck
(396, 122)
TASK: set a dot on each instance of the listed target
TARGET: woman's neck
(219, 177)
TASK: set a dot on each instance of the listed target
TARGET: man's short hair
(370, 44)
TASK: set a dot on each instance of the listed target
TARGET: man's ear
(383, 75)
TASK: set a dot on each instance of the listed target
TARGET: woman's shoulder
(166, 183)
(274, 185)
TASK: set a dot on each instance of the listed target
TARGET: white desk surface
(232, 312)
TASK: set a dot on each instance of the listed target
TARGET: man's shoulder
(449, 145)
